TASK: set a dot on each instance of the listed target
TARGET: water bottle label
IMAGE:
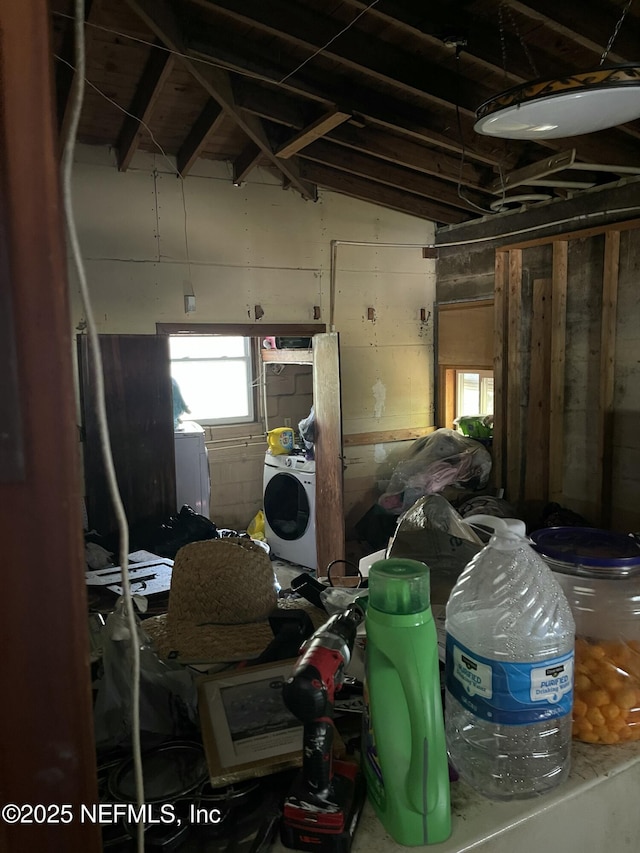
(509, 693)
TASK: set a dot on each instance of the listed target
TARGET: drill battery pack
(326, 828)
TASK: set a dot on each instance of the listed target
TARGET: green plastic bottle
(404, 754)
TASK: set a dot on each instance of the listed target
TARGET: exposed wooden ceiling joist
(393, 176)
(314, 32)
(437, 128)
(587, 24)
(156, 72)
(246, 161)
(158, 16)
(316, 130)
(361, 188)
(376, 102)
(406, 152)
(440, 124)
(209, 119)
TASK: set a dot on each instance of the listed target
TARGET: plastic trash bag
(432, 532)
(256, 526)
(307, 430)
(168, 697)
(440, 459)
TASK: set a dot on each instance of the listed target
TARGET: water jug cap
(399, 586)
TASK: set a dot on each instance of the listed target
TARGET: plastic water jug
(509, 669)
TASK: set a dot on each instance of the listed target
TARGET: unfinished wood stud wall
(558, 347)
(529, 431)
(607, 372)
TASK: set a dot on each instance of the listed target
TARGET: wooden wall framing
(529, 430)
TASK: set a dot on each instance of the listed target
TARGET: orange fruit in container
(599, 572)
(609, 698)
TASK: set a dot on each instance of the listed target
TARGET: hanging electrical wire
(98, 379)
(331, 41)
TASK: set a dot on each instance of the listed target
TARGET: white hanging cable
(74, 243)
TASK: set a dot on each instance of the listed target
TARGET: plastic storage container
(404, 755)
(509, 669)
(599, 572)
(280, 440)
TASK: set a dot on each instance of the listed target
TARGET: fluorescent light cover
(551, 109)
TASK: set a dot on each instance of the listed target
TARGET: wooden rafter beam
(367, 101)
(204, 127)
(394, 176)
(363, 189)
(486, 43)
(432, 22)
(156, 72)
(245, 162)
(589, 27)
(435, 126)
(303, 28)
(407, 152)
(159, 17)
(399, 143)
(399, 150)
(316, 130)
(281, 107)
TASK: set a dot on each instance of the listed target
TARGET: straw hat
(222, 592)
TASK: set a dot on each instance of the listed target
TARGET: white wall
(148, 238)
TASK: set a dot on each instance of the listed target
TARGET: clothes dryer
(290, 508)
(193, 485)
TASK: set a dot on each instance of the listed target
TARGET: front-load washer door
(286, 507)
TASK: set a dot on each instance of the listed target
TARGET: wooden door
(327, 404)
(137, 383)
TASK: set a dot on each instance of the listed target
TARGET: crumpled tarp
(440, 459)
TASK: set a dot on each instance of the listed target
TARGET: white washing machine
(290, 508)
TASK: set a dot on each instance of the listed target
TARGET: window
(215, 377)
(474, 392)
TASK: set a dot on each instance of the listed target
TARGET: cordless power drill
(322, 809)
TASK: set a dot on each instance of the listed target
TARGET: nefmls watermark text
(108, 813)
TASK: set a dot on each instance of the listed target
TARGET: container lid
(589, 551)
(399, 586)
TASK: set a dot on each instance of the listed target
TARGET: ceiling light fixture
(568, 106)
(551, 109)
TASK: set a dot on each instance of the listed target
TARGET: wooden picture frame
(247, 730)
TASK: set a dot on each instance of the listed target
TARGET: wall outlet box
(287, 422)
(189, 304)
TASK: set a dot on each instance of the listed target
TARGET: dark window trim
(244, 330)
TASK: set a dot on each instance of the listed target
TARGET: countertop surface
(477, 822)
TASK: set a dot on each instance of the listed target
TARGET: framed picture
(247, 729)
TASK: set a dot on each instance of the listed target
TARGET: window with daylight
(474, 392)
(215, 377)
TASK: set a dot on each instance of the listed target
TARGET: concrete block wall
(289, 394)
